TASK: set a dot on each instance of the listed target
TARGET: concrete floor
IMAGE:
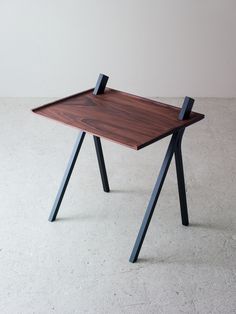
(79, 264)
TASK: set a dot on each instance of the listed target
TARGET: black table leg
(101, 163)
(173, 148)
(181, 183)
(155, 195)
(66, 177)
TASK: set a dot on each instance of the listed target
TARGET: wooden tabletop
(127, 119)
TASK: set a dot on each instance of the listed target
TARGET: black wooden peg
(101, 84)
(186, 108)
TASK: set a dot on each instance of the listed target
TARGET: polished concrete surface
(79, 264)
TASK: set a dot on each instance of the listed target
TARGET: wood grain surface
(127, 119)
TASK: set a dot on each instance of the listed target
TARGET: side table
(129, 120)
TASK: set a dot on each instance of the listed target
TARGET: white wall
(149, 47)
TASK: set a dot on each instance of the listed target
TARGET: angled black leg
(66, 177)
(101, 163)
(173, 148)
(154, 197)
(100, 89)
(181, 184)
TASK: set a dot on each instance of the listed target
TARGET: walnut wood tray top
(127, 119)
